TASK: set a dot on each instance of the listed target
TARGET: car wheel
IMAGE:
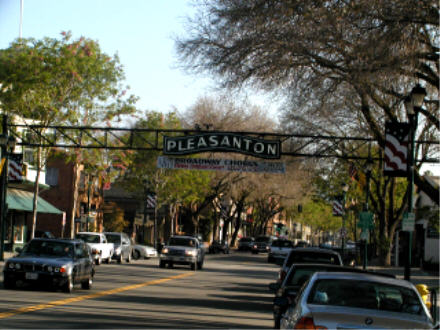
(8, 284)
(68, 286)
(98, 261)
(128, 257)
(120, 259)
(136, 254)
(87, 285)
(107, 261)
(194, 266)
(200, 265)
(161, 264)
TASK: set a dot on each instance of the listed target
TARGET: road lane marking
(34, 308)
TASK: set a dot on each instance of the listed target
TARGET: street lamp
(413, 104)
(368, 168)
(7, 144)
(345, 188)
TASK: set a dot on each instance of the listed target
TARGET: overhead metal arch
(118, 138)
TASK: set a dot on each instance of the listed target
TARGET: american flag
(338, 206)
(396, 149)
(151, 201)
(15, 172)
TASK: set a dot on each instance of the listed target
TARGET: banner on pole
(396, 149)
(220, 165)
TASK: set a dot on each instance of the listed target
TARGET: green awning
(23, 200)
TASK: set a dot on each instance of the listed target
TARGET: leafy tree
(67, 82)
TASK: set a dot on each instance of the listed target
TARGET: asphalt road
(230, 292)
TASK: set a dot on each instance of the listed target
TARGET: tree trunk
(36, 192)
(76, 178)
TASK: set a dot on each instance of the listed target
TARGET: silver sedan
(144, 251)
(354, 301)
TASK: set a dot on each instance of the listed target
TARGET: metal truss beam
(297, 145)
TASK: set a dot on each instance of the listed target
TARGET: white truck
(101, 249)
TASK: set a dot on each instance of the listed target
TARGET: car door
(125, 246)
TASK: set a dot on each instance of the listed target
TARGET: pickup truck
(101, 249)
(182, 250)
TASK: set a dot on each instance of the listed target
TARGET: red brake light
(62, 270)
(307, 323)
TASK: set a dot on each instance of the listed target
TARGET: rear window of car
(364, 294)
(245, 240)
(312, 257)
(262, 239)
(299, 276)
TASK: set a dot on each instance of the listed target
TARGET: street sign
(366, 220)
(408, 222)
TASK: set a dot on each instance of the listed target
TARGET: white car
(279, 250)
(144, 251)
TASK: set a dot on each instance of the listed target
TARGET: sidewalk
(417, 275)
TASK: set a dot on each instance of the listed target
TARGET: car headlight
(267, 248)
(192, 253)
(10, 265)
(165, 250)
(50, 269)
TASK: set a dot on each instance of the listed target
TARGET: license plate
(31, 276)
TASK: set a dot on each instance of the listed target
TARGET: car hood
(42, 260)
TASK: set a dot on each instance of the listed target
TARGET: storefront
(19, 216)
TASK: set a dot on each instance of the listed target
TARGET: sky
(139, 31)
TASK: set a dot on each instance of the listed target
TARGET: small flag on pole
(396, 149)
(151, 201)
(15, 167)
(338, 206)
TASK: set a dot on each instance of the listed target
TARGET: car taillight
(307, 323)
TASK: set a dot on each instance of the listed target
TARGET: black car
(56, 263)
(286, 292)
(217, 247)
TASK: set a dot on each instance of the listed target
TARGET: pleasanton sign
(222, 142)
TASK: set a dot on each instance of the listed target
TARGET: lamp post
(413, 103)
(345, 188)
(368, 168)
(7, 144)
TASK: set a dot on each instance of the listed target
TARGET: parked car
(286, 292)
(279, 249)
(143, 251)
(122, 246)
(306, 256)
(56, 263)
(100, 248)
(347, 300)
(262, 244)
(217, 247)
(182, 250)
(245, 243)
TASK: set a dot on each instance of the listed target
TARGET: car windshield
(113, 238)
(181, 241)
(246, 239)
(51, 249)
(88, 238)
(282, 243)
(312, 257)
(262, 239)
(364, 294)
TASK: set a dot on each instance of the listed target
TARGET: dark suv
(122, 246)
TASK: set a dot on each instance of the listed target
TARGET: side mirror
(274, 286)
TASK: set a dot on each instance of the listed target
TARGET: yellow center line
(88, 296)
